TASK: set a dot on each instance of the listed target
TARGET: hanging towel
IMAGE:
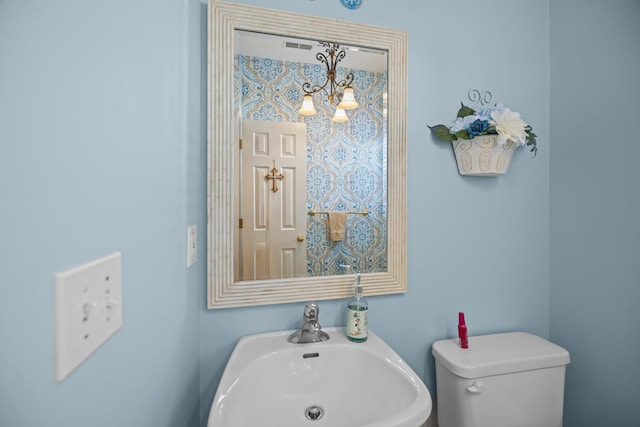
(336, 222)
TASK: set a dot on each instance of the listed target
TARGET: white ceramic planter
(483, 156)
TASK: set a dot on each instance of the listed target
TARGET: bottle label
(357, 323)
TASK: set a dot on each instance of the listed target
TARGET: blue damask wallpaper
(346, 162)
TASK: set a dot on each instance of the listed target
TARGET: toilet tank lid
(497, 354)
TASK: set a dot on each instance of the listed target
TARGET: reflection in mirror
(342, 202)
(312, 190)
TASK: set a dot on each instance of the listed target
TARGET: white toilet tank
(502, 380)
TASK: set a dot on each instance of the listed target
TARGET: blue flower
(478, 127)
(485, 112)
(462, 123)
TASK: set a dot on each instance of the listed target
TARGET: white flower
(509, 125)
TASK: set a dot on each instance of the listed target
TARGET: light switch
(191, 245)
(88, 310)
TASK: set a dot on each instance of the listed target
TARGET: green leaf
(531, 141)
(442, 132)
(465, 111)
(463, 134)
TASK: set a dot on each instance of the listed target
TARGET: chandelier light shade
(307, 108)
(348, 100)
(340, 115)
(339, 93)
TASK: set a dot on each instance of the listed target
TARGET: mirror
(310, 189)
(232, 27)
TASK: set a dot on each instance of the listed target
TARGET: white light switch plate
(88, 310)
(192, 245)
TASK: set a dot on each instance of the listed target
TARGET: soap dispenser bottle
(357, 310)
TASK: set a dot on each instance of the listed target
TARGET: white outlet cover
(88, 310)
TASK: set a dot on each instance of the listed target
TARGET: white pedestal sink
(271, 382)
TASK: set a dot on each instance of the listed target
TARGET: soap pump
(357, 310)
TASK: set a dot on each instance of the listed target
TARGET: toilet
(510, 379)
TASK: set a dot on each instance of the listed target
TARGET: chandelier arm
(346, 81)
(311, 89)
(323, 58)
(340, 55)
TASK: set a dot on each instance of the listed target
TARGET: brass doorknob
(300, 237)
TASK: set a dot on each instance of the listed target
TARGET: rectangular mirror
(322, 166)
(277, 177)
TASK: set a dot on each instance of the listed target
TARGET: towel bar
(312, 212)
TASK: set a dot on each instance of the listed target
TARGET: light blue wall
(595, 206)
(102, 148)
(100, 115)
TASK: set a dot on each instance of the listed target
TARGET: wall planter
(485, 137)
(483, 156)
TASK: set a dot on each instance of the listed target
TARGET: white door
(273, 229)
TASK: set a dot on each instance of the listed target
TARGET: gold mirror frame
(223, 292)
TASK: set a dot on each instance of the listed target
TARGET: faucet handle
(311, 311)
(310, 331)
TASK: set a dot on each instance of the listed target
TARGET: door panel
(273, 220)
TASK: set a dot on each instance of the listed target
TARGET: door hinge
(240, 223)
(240, 143)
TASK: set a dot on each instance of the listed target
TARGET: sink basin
(271, 382)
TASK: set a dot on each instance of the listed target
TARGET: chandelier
(338, 92)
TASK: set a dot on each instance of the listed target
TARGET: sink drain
(314, 413)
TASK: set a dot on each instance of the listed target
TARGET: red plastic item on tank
(462, 331)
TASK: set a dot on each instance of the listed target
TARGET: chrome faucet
(311, 331)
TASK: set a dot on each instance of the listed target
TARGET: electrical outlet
(191, 245)
(88, 310)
